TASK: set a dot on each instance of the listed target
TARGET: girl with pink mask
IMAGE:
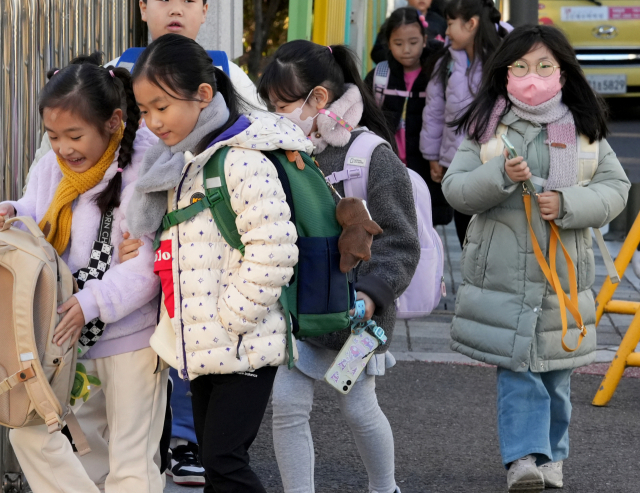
(507, 314)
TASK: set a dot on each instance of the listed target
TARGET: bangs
(280, 82)
(165, 81)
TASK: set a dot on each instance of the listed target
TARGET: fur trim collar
(350, 107)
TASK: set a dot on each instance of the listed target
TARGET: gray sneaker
(524, 477)
(552, 473)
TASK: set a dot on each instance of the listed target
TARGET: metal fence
(36, 35)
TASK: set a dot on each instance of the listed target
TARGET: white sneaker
(524, 476)
(552, 473)
(635, 263)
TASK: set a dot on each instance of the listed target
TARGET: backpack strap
(551, 273)
(216, 199)
(220, 60)
(129, 57)
(494, 147)
(381, 76)
(355, 173)
(588, 154)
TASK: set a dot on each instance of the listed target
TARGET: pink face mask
(533, 89)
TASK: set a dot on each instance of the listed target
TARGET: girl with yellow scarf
(78, 195)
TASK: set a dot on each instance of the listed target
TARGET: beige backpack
(587, 166)
(36, 375)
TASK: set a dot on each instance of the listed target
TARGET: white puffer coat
(227, 315)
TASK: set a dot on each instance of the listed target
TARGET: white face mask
(295, 116)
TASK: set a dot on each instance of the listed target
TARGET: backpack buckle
(583, 330)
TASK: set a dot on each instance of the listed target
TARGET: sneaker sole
(554, 485)
(528, 486)
(189, 480)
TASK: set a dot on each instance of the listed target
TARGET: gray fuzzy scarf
(561, 132)
(162, 169)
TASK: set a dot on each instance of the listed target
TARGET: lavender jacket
(438, 142)
(126, 297)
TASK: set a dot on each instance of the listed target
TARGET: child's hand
(549, 203)
(516, 168)
(71, 324)
(437, 171)
(128, 249)
(369, 305)
(6, 212)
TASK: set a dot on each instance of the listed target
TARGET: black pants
(462, 221)
(227, 412)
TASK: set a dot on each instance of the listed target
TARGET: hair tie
(422, 20)
(112, 74)
(56, 72)
(330, 50)
(119, 170)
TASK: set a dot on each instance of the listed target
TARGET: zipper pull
(238, 348)
(443, 287)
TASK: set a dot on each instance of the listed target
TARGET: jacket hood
(266, 132)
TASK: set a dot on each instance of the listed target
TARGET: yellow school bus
(606, 37)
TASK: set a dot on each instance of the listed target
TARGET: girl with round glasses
(506, 312)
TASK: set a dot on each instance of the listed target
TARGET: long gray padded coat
(506, 312)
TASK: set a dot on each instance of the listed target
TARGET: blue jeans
(534, 410)
(182, 426)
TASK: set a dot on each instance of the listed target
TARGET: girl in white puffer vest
(230, 328)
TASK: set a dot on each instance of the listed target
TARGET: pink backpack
(427, 286)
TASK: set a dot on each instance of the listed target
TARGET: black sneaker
(185, 467)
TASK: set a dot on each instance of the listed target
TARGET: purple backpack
(427, 286)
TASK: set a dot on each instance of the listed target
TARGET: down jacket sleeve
(269, 238)
(472, 187)
(599, 202)
(433, 121)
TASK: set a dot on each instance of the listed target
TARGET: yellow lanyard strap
(551, 273)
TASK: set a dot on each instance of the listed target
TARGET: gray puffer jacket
(506, 313)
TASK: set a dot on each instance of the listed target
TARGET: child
(433, 23)
(80, 187)
(303, 80)
(506, 314)
(403, 98)
(474, 33)
(229, 325)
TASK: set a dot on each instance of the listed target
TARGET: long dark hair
(299, 66)
(179, 64)
(487, 37)
(87, 89)
(588, 109)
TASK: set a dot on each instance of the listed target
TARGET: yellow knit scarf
(58, 215)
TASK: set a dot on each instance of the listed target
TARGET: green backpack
(319, 296)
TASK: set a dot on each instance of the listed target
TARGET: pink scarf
(561, 132)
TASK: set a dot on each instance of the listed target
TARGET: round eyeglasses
(544, 68)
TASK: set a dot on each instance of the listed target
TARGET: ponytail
(299, 66)
(486, 40)
(372, 116)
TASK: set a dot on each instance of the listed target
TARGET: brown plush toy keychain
(358, 230)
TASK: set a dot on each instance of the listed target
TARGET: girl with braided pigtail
(78, 195)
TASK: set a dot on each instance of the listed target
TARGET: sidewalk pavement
(427, 339)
